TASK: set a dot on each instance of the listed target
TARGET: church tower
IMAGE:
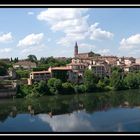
(76, 49)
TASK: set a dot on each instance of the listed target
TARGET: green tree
(42, 87)
(51, 61)
(90, 80)
(55, 85)
(16, 60)
(11, 59)
(116, 80)
(3, 68)
(67, 88)
(116, 68)
(32, 58)
(82, 88)
(101, 85)
(22, 73)
(132, 80)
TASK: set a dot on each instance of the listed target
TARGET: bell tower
(76, 49)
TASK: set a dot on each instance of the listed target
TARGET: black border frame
(61, 4)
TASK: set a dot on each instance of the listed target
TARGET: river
(90, 112)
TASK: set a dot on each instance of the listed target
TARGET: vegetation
(3, 68)
(22, 73)
(92, 83)
(90, 80)
(55, 85)
(44, 63)
(32, 58)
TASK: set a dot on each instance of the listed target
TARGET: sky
(48, 32)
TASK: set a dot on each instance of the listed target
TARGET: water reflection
(76, 121)
(109, 111)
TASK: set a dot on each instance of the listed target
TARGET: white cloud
(73, 22)
(133, 42)
(5, 50)
(6, 37)
(30, 40)
(53, 15)
(70, 21)
(70, 39)
(33, 49)
(99, 34)
(30, 13)
(104, 51)
(85, 45)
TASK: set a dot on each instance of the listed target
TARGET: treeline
(42, 64)
(45, 62)
(91, 83)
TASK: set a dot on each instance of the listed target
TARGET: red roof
(61, 68)
(76, 64)
(39, 72)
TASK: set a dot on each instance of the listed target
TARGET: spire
(76, 49)
(76, 44)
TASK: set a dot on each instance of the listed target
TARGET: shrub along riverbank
(92, 83)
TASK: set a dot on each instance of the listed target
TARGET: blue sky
(48, 32)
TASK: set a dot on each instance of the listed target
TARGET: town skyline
(40, 31)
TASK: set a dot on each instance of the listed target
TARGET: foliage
(80, 88)
(101, 85)
(22, 73)
(116, 80)
(23, 90)
(32, 58)
(53, 62)
(132, 80)
(41, 67)
(15, 60)
(3, 68)
(42, 87)
(55, 85)
(37, 89)
(116, 68)
(90, 80)
(67, 88)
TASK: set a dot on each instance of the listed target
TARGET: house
(12, 73)
(98, 69)
(62, 73)
(5, 60)
(138, 60)
(111, 60)
(129, 60)
(77, 66)
(38, 76)
(132, 67)
(24, 65)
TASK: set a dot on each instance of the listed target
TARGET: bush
(80, 88)
(67, 88)
(23, 73)
(55, 85)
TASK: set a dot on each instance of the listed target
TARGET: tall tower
(76, 49)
